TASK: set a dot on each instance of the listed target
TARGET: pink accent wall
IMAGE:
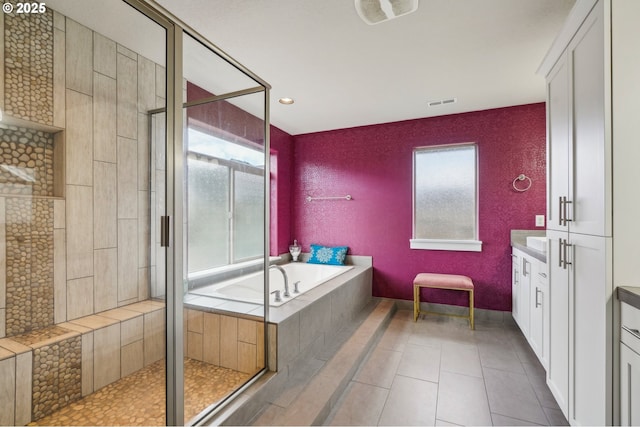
(281, 200)
(374, 165)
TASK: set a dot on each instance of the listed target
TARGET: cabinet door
(590, 326)
(525, 295)
(558, 136)
(558, 367)
(515, 285)
(590, 149)
(629, 387)
(543, 275)
(536, 326)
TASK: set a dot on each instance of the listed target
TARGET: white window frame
(470, 245)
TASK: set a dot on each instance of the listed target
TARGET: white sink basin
(537, 243)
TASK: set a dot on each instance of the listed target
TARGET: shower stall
(134, 168)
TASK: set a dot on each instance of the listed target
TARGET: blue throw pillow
(328, 255)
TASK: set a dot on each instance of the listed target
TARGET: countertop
(630, 295)
(519, 241)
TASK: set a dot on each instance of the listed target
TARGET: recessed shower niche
(31, 161)
(31, 180)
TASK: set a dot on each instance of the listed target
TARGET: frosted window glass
(248, 216)
(445, 193)
(208, 202)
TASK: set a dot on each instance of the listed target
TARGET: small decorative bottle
(295, 250)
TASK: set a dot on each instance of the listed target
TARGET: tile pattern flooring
(439, 372)
(139, 398)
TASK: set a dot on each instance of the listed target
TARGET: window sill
(446, 245)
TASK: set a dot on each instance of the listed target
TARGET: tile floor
(139, 398)
(439, 372)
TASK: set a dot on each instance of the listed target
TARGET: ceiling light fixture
(375, 11)
(286, 101)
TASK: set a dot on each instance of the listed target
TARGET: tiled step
(314, 403)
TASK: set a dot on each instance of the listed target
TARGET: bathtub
(250, 288)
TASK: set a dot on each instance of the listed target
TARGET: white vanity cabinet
(529, 289)
(629, 386)
(538, 327)
(521, 290)
(515, 285)
(593, 98)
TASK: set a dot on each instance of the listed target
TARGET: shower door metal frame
(175, 31)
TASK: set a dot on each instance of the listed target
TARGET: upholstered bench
(442, 281)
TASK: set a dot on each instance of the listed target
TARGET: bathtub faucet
(286, 280)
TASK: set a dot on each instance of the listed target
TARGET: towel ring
(521, 177)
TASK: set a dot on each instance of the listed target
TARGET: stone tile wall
(100, 243)
(26, 166)
(56, 376)
(28, 66)
(28, 229)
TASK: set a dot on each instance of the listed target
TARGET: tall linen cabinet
(593, 162)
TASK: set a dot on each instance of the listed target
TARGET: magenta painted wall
(374, 165)
(282, 178)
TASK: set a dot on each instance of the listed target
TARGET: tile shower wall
(74, 214)
(62, 259)
(28, 66)
(110, 90)
(92, 247)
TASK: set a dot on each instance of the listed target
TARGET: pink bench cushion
(436, 280)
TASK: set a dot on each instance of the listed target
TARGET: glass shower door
(224, 187)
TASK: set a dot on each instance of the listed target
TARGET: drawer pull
(542, 274)
(560, 252)
(538, 291)
(634, 332)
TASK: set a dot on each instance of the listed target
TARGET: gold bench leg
(471, 319)
(416, 302)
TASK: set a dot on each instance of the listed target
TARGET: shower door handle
(164, 231)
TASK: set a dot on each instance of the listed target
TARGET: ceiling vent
(375, 11)
(442, 102)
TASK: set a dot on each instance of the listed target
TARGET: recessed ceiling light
(286, 101)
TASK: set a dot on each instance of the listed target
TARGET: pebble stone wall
(29, 282)
(28, 67)
(26, 154)
(57, 379)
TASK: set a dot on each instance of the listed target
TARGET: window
(225, 202)
(445, 198)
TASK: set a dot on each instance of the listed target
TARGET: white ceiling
(344, 73)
